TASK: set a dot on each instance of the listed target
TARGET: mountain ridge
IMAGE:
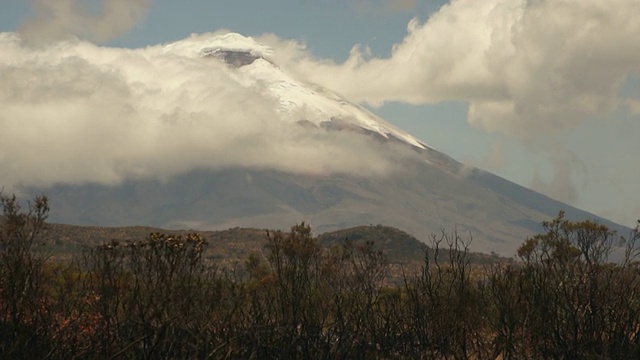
(231, 246)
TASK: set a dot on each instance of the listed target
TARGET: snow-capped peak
(249, 63)
(236, 43)
(204, 44)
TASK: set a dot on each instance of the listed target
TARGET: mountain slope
(420, 203)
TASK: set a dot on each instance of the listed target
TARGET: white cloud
(55, 20)
(532, 70)
(566, 176)
(74, 112)
(519, 63)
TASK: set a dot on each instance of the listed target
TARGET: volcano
(418, 190)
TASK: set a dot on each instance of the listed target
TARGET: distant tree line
(159, 298)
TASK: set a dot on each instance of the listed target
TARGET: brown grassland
(367, 292)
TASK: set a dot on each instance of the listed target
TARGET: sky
(545, 93)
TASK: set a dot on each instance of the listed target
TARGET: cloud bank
(517, 62)
(532, 70)
(74, 112)
(529, 69)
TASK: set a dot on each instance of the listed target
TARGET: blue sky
(545, 94)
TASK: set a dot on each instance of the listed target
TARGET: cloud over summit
(75, 112)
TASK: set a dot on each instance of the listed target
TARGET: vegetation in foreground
(158, 298)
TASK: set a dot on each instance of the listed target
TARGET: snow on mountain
(250, 64)
(194, 134)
